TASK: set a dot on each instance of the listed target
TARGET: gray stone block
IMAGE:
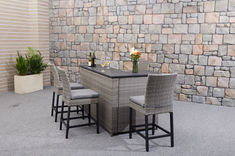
(144, 29)
(222, 30)
(232, 83)
(156, 8)
(181, 28)
(209, 70)
(167, 8)
(186, 49)
(228, 102)
(193, 59)
(231, 6)
(78, 3)
(92, 20)
(138, 19)
(130, 38)
(156, 46)
(218, 92)
(155, 29)
(194, 28)
(92, 11)
(199, 99)
(229, 38)
(222, 50)
(208, 28)
(232, 70)
(203, 60)
(122, 19)
(221, 5)
(178, 68)
(180, 79)
(189, 79)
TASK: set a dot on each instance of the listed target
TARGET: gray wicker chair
(58, 90)
(157, 100)
(79, 97)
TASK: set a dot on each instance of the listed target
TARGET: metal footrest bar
(74, 126)
(159, 136)
(166, 131)
(70, 111)
(72, 118)
(141, 125)
(138, 131)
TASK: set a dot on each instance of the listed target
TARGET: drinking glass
(102, 65)
(107, 63)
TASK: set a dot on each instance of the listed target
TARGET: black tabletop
(115, 73)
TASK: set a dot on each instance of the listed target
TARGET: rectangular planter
(28, 83)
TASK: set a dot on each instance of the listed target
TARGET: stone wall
(192, 37)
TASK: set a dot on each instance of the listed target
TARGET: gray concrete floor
(27, 129)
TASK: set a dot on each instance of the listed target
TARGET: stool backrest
(159, 90)
(65, 83)
(55, 76)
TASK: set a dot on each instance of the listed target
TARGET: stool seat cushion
(73, 86)
(139, 100)
(83, 94)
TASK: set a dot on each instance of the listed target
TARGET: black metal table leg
(130, 123)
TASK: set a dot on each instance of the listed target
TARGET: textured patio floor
(27, 129)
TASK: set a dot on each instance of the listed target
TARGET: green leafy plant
(33, 63)
(21, 65)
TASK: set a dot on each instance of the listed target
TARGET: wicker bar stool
(58, 90)
(79, 97)
(157, 100)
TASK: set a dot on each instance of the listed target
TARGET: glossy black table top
(115, 73)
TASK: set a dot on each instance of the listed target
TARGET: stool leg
(146, 134)
(97, 119)
(172, 129)
(62, 115)
(89, 115)
(153, 129)
(83, 114)
(56, 108)
(52, 105)
(77, 110)
(130, 123)
(67, 125)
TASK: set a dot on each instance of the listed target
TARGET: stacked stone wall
(195, 38)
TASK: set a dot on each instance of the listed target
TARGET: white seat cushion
(138, 100)
(73, 86)
(84, 94)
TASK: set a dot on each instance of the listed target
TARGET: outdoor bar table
(114, 87)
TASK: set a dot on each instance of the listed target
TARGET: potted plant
(29, 77)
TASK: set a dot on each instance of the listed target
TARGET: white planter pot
(28, 83)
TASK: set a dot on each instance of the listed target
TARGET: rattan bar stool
(58, 90)
(79, 97)
(157, 100)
